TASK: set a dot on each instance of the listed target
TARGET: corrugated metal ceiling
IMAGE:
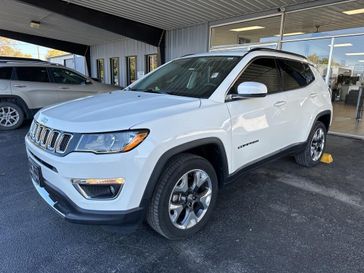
(170, 14)
(16, 16)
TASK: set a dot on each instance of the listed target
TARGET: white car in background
(27, 86)
(164, 147)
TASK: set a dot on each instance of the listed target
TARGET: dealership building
(124, 40)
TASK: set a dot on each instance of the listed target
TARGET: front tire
(184, 198)
(11, 116)
(315, 147)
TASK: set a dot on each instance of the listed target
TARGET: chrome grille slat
(49, 139)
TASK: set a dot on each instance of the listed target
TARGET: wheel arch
(18, 101)
(212, 149)
(325, 118)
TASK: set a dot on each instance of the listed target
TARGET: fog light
(106, 188)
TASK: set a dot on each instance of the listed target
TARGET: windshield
(191, 77)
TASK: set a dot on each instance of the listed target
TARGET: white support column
(328, 73)
(281, 30)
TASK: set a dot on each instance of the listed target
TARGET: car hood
(113, 111)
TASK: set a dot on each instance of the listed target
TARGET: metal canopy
(92, 22)
(171, 14)
(115, 24)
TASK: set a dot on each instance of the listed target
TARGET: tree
(55, 53)
(6, 49)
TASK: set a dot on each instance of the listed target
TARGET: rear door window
(262, 70)
(5, 73)
(32, 74)
(295, 74)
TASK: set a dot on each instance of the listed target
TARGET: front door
(260, 126)
(70, 85)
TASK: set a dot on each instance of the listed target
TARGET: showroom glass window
(131, 69)
(32, 74)
(65, 76)
(100, 69)
(262, 70)
(115, 71)
(246, 33)
(151, 62)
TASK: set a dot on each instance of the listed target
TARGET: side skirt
(290, 150)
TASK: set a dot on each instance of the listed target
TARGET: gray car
(27, 86)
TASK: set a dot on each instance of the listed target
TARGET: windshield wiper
(148, 91)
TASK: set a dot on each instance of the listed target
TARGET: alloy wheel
(317, 144)
(190, 199)
(8, 116)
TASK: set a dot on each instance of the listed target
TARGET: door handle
(313, 95)
(64, 88)
(19, 85)
(280, 103)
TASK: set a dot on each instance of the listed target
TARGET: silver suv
(28, 85)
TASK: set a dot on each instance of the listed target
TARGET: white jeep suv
(28, 85)
(163, 148)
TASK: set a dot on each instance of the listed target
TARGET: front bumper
(59, 172)
(72, 213)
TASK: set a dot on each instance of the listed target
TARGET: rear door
(297, 78)
(260, 126)
(70, 85)
(32, 84)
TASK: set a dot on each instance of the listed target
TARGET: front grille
(49, 139)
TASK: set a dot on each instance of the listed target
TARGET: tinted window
(5, 73)
(295, 74)
(65, 76)
(264, 71)
(131, 68)
(191, 77)
(100, 66)
(32, 74)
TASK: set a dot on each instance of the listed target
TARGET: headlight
(111, 142)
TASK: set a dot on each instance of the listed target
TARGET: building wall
(188, 40)
(121, 48)
(75, 62)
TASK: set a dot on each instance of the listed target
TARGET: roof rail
(5, 59)
(276, 50)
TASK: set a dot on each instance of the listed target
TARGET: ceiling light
(342, 45)
(361, 61)
(246, 28)
(291, 34)
(355, 54)
(34, 24)
(354, 11)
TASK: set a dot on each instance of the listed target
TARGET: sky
(31, 49)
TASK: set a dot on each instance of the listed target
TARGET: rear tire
(11, 116)
(315, 146)
(184, 197)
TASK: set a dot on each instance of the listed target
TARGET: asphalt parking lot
(279, 218)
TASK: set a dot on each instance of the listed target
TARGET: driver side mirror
(250, 90)
(88, 81)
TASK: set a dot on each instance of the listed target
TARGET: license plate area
(36, 172)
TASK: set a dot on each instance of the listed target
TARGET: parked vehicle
(165, 146)
(28, 85)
